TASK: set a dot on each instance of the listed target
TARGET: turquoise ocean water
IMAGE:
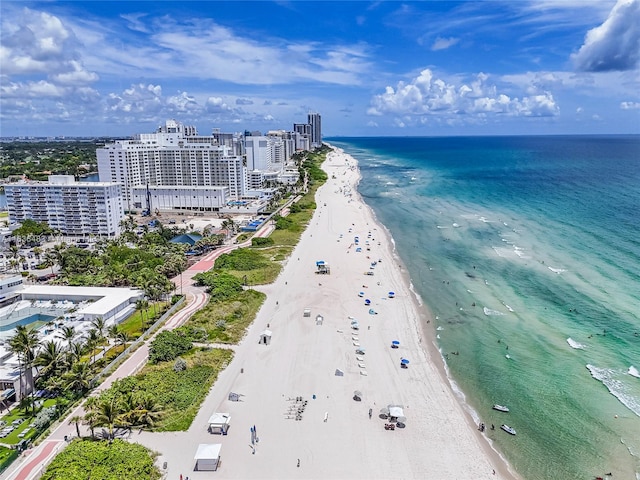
(527, 250)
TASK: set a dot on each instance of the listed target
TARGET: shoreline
(425, 318)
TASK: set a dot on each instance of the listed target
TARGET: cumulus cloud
(614, 45)
(244, 101)
(427, 95)
(444, 43)
(216, 105)
(630, 105)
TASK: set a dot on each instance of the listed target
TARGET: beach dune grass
(227, 321)
(179, 393)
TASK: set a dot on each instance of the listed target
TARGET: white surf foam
(557, 270)
(455, 225)
(633, 371)
(488, 312)
(616, 387)
(573, 344)
(440, 329)
(508, 307)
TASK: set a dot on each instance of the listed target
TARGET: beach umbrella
(354, 322)
(404, 361)
(392, 294)
(357, 395)
(395, 342)
(372, 312)
(367, 301)
(361, 294)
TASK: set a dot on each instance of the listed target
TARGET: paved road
(32, 463)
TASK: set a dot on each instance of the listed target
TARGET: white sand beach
(334, 437)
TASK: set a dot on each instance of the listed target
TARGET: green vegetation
(180, 392)
(7, 455)
(37, 160)
(225, 321)
(92, 460)
(220, 285)
(168, 345)
(262, 242)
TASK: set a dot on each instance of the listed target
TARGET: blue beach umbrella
(367, 301)
(404, 361)
(361, 294)
(395, 342)
(392, 294)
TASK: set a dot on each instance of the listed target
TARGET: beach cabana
(219, 422)
(339, 373)
(307, 312)
(265, 337)
(319, 319)
(207, 456)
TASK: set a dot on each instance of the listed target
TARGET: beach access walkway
(32, 462)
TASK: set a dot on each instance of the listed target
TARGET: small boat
(508, 429)
(500, 408)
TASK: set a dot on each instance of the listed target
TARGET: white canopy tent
(219, 421)
(265, 337)
(208, 456)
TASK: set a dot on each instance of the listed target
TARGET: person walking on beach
(370, 412)
(298, 462)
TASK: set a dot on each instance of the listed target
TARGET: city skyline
(369, 68)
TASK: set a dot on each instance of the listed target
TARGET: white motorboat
(508, 429)
(500, 408)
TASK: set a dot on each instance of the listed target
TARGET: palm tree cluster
(112, 411)
(59, 362)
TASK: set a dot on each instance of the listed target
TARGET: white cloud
(614, 45)
(244, 101)
(427, 95)
(444, 43)
(630, 105)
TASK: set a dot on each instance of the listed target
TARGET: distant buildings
(171, 169)
(316, 129)
(175, 155)
(73, 208)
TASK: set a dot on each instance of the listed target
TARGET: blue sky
(370, 68)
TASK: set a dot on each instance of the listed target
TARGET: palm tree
(140, 410)
(76, 419)
(24, 344)
(37, 252)
(142, 306)
(67, 333)
(106, 412)
(93, 339)
(100, 325)
(51, 358)
(79, 378)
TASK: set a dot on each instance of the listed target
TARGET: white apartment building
(181, 198)
(258, 152)
(73, 208)
(175, 155)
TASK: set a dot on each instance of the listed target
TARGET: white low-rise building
(180, 198)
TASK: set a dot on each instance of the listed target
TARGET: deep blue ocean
(527, 252)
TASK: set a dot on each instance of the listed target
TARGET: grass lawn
(237, 315)
(13, 438)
